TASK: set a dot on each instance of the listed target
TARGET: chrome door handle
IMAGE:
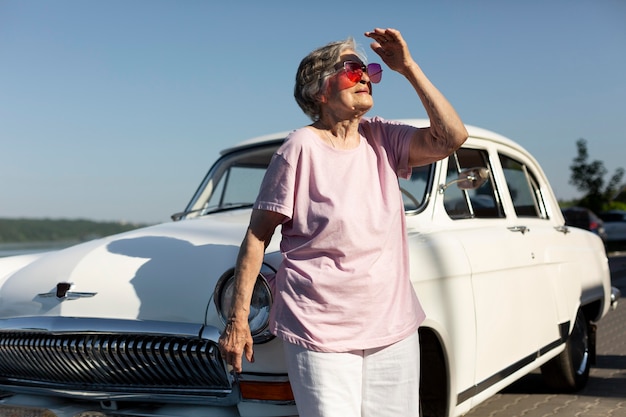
(562, 229)
(521, 229)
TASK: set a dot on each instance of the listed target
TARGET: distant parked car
(128, 325)
(585, 219)
(615, 226)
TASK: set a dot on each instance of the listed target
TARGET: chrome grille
(112, 362)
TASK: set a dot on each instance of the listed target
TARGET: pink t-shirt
(344, 281)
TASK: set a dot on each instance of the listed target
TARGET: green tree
(588, 177)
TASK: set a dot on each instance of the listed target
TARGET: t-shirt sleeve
(277, 189)
(395, 137)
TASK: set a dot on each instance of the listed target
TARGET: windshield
(234, 182)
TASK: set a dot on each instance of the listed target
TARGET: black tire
(569, 371)
(433, 384)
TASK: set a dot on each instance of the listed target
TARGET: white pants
(381, 382)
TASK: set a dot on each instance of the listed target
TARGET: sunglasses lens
(354, 71)
(375, 72)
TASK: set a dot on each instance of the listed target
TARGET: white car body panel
(113, 268)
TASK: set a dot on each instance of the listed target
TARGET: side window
(482, 202)
(524, 188)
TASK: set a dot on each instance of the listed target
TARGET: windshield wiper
(209, 210)
(228, 207)
(181, 214)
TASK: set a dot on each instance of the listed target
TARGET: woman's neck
(342, 134)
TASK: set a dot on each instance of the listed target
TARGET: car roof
(474, 132)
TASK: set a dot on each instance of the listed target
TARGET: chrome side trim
(510, 370)
(615, 296)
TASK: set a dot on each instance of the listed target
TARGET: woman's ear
(321, 97)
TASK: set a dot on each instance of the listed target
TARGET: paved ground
(605, 394)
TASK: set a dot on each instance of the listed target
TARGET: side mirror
(468, 179)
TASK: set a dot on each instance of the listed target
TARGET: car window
(613, 216)
(414, 190)
(482, 202)
(524, 188)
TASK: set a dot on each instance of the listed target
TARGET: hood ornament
(62, 292)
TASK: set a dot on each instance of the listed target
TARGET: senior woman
(344, 304)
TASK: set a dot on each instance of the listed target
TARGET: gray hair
(315, 70)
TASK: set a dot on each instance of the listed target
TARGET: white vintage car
(128, 325)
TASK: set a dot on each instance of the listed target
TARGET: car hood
(165, 272)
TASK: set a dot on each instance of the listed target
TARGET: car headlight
(260, 304)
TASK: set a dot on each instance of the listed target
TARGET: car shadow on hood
(177, 280)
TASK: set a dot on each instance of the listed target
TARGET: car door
(510, 295)
(547, 245)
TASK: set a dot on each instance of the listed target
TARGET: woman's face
(345, 98)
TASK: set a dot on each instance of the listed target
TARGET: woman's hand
(236, 341)
(392, 48)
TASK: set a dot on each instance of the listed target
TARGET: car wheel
(570, 370)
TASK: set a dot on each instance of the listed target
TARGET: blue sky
(115, 110)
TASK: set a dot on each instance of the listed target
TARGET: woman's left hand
(391, 47)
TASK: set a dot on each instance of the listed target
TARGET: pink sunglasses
(354, 71)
